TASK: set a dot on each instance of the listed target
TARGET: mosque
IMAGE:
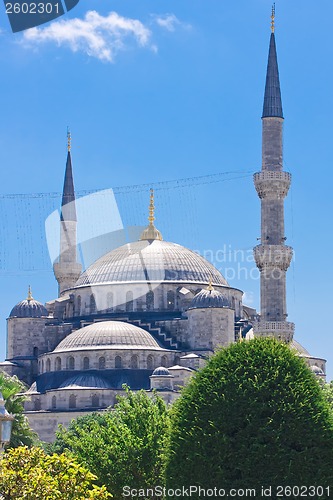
(148, 314)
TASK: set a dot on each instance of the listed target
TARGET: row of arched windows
(129, 306)
(72, 364)
(95, 402)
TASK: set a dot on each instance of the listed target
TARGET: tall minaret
(67, 270)
(272, 256)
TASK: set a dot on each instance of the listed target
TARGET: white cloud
(96, 35)
(170, 22)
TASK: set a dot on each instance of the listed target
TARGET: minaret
(67, 270)
(272, 256)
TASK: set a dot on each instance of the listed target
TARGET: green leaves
(254, 415)
(32, 475)
(122, 446)
(12, 389)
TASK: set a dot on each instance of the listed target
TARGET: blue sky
(155, 91)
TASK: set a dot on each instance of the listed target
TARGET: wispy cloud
(170, 22)
(98, 36)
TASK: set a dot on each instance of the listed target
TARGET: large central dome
(151, 260)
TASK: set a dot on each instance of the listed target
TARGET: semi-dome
(86, 381)
(151, 260)
(208, 298)
(108, 334)
(28, 308)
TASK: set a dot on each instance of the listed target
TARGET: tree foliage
(254, 416)
(33, 475)
(12, 390)
(122, 446)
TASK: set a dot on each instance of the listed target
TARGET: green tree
(254, 416)
(122, 446)
(12, 390)
(33, 475)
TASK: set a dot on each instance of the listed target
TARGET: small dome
(28, 308)
(208, 298)
(315, 369)
(161, 371)
(84, 382)
(108, 334)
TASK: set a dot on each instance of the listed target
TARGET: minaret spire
(272, 256)
(67, 270)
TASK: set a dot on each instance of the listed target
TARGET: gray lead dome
(208, 298)
(28, 308)
(154, 261)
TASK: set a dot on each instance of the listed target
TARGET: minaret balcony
(273, 256)
(272, 185)
(281, 330)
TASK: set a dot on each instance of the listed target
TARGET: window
(58, 364)
(109, 301)
(37, 405)
(86, 363)
(134, 362)
(150, 300)
(171, 302)
(150, 362)
(70, 363)
(129, 301)
(95, 400)
(54, 402)
(35, 352)
(72, 401)
(48, 365)
(118, 362)
(164, 361)
(78, 305)
(92, 304)
(101, 363)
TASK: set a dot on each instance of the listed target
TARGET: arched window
(54, 402)
(134, 362)
(92, 304)
(72, 401)
(86, 363)
(78, 305)
(101, 363)
(164, 361)
(177, 360)
(58, 364)
(150, 300)
(37, 405)
(48, 365)
(70, 363)
(95, 400)
(118, 362)
(150, 362)
(129, 301)
(109, 301)
(35, 352)
(171, 301)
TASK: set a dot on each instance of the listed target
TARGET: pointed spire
(68, 211)
(272, 99)
(151, 233)
(30, 297)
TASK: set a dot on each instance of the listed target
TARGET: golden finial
(273, 18)
(30, 297)
(150, 232)
(210, 286)
(151, 217)
(69, 140)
